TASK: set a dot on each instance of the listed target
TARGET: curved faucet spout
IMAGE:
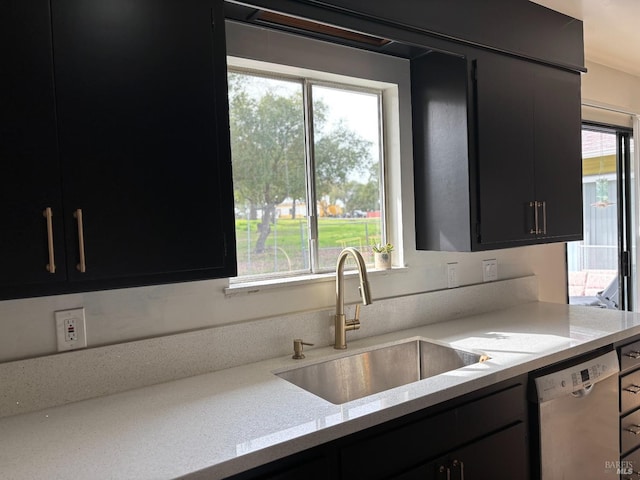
(341, 323)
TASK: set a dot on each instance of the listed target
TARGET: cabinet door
(399, 447)
(501, 456)
(444, 194)
(558, 160)
(528, 149)
(505, 149)
(28, 149)
(141, 97)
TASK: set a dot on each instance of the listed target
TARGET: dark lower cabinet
(115, 118)
(500, 456)
(423, 438)
(481, 435)
(629, 378)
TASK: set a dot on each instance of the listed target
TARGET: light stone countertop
(221, 423)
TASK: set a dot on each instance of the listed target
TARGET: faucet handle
(297, 348)
(355, 323)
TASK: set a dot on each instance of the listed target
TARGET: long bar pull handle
(633, 388)
(534, 205)
(459, 464)
(446, 470)
(633, 354)
(635, 429)
(48, 214)
(82, 266)
(544, 217)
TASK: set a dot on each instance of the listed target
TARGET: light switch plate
(489, 270)
(71, 329)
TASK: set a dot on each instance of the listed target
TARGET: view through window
(594, 263)
(307, 172)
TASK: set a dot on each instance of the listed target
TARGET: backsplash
(34, 384)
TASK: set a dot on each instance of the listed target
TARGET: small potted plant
(382, 255)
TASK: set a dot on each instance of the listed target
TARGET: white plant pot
(382, 261)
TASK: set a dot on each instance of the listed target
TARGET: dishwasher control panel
(576, 379)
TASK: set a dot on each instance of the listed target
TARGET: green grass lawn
(286, 246)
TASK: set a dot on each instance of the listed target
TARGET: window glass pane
(268, 154)
(593, 262)
(347, 145)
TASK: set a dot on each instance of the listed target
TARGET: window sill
(281, 283)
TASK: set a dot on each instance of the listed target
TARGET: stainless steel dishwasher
(577, 413)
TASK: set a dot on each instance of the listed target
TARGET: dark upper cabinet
(558, 151)
(141, 156)
(505, 149)
(497, 152)
(528, 151)
(519, 27)
(29, 168)
(142, 142)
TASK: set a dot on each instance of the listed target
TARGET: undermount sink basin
(381, 368)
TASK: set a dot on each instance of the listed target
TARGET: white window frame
(250, 52)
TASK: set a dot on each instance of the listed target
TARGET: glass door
(599, 272)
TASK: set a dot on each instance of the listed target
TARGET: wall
(38, 383)
(611, 88)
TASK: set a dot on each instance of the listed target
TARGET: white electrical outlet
(452, 275)
(489, 270)
(71, 329)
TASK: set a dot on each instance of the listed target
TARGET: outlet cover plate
(489, 270)
(71, 329)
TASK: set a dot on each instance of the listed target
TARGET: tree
(363, 196)
(268, 148)
(339, 154)
(267, 144)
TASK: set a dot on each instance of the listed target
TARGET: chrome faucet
(342, 324)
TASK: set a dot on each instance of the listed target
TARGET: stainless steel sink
(355, 376)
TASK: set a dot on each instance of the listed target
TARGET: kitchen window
(308, 171)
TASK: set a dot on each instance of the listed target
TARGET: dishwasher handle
(583, 392)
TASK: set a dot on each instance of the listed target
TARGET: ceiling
(610, 28)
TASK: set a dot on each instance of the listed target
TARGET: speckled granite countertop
(221, 423)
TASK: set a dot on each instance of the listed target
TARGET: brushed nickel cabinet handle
(633, 354)
(459, 464)
(534, 205)
(633, 388)
(446, 470)
(635, 429)
(544, 217)
(48, 214)
(82, 266)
